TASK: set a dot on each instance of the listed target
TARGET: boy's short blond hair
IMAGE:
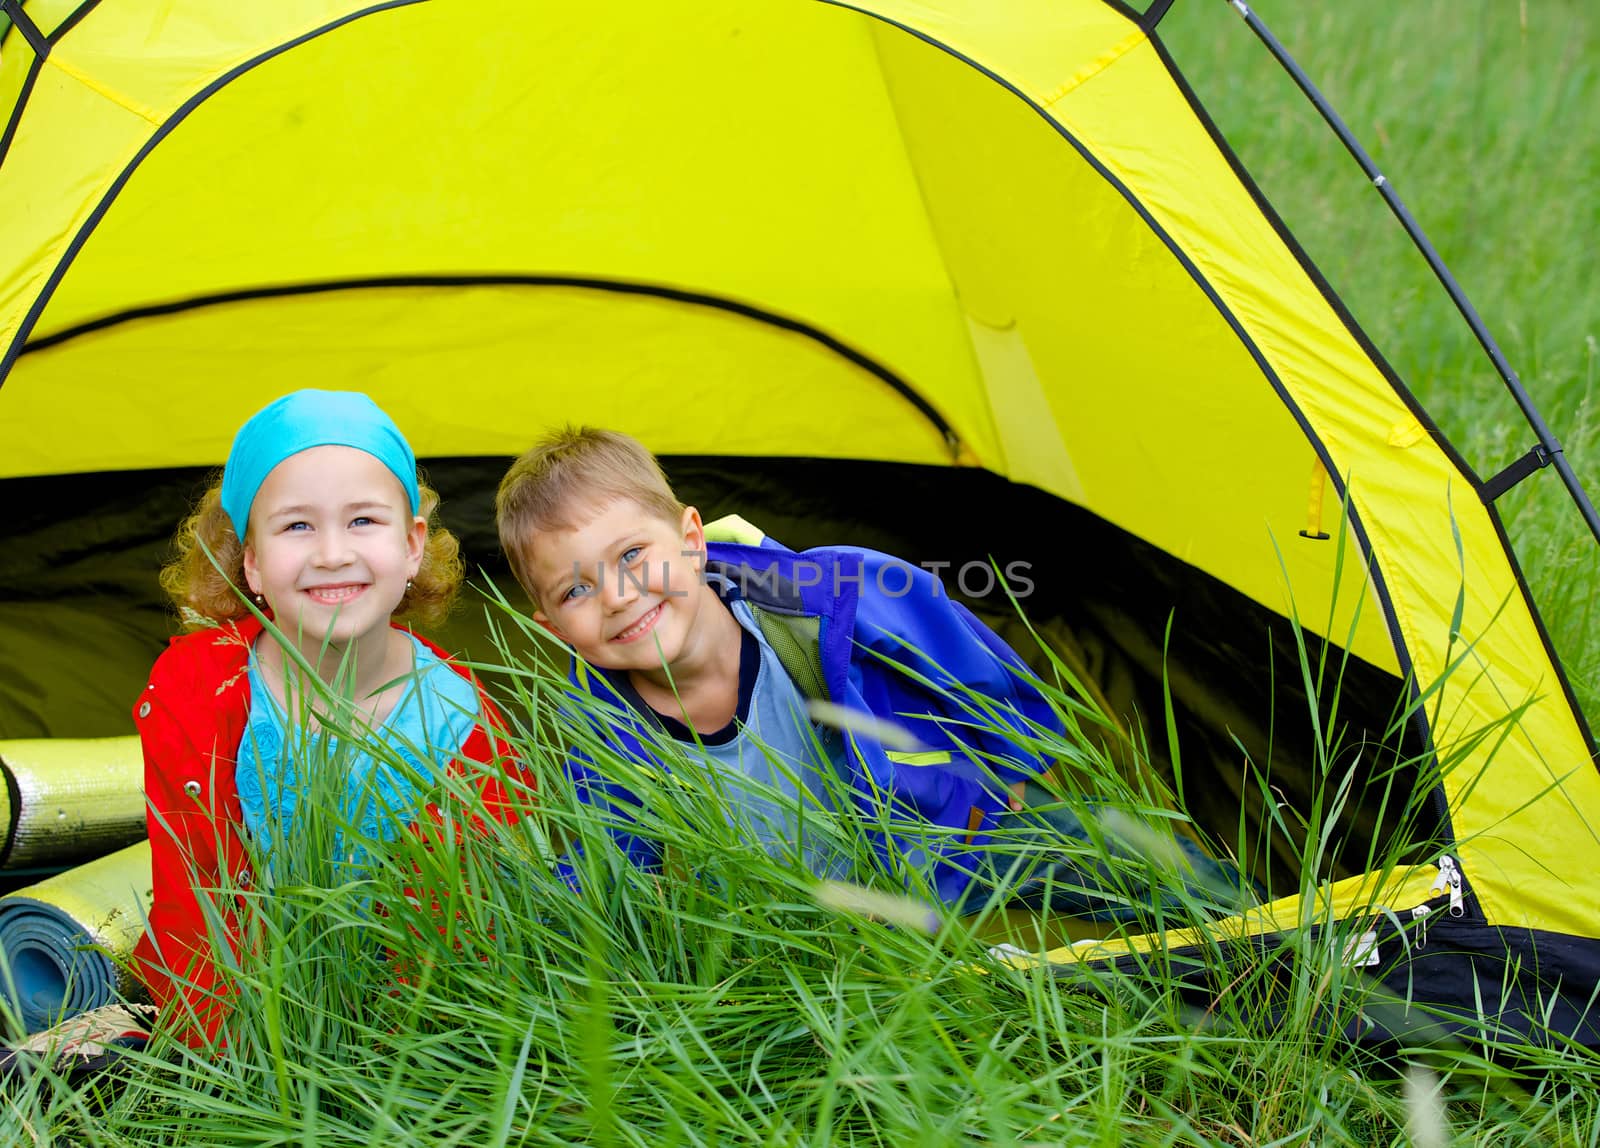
(566, 473)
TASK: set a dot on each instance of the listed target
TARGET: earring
(410, 585)
(260, 601)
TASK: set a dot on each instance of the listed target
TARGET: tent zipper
(1419, 915)
(1449, 881)
(1450, 878)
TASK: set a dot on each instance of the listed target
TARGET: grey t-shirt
(776, 769)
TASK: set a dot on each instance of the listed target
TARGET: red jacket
(191, 718)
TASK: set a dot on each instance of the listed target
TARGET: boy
(713, 642)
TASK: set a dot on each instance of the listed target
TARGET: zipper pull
(1450, 878)
(1419, 915)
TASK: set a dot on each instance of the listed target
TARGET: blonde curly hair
(205, 577)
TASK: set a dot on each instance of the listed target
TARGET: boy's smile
(640, 628)
(623, 588)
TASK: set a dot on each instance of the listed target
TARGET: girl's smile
(336, 595)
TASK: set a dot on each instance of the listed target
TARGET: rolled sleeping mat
(64, 942)
(69, 799)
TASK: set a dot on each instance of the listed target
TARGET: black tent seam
(1402, 652)
(25, 27)
(622, 287)
(1153, 15)
(23, 95)
(1123, 8)
(182, 113)
(1320, 281)
(73, 20)
(26, 89)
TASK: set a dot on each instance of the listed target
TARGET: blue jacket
(881, 637)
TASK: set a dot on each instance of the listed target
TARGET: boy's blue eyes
(582, 590)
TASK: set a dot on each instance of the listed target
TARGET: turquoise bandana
(300, 421)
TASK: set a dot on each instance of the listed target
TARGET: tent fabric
(998, 233)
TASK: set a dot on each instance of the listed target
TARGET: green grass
(1483, 115)
(456, 990)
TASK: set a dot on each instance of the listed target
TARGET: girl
(320, 518)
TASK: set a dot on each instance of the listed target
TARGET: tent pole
(1549, 450)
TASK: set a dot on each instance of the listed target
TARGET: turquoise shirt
(425, 730)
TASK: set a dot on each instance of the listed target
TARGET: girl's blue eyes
(362, 520)
(631, 554)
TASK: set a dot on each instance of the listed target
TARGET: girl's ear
(416, 545)
(252, 573)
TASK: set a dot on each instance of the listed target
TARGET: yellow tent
(920, 251)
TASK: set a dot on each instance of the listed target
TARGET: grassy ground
(1483, 114)
(740, 1008)
(733, 1000)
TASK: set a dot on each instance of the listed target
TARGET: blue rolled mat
(59, 938)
